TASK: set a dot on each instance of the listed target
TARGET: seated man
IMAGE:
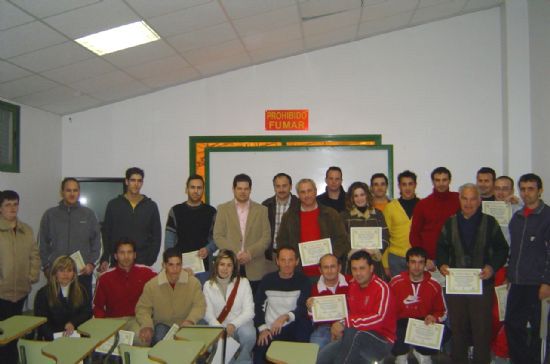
(119, 288)
(417, 296)
(280, 304)
(367, 335)
(174, 296)
(331, 282)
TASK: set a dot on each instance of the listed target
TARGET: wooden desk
(176, 351)
(101, 329)
(209, 335)
(69, 350)
(286, 352)
(17, 326)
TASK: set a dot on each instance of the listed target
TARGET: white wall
(433, 91)
(539, 32)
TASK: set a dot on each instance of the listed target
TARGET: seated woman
(229, 303)
(63, 300)
(360, 212)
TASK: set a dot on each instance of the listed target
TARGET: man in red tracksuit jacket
(417, 296)
(368, 333)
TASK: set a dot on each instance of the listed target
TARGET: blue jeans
(397, 264)
(159, 332)
(246, 336)
(321, 335)
(355, 347)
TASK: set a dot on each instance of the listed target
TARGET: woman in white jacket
(229, 303)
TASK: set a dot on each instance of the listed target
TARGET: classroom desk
(176, 351)
(18, 326)
(286, 352)
(69, 350)
(208, 335)
(101, 329)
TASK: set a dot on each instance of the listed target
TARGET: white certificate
(171, 333)
(463, 281)
(312, 251)
(193, 261)
(77, 257)
(500, 210)
(329, 308)
(502, 295)
(366, 237)
(124, 337)
(420, 334)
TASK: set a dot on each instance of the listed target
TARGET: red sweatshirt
(372, 308)
(429, 216)
(118, 291)
(418, 300)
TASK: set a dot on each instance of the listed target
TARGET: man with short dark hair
(68, 228)
(133, 216)
(379, 189)
(431, 213)
(330, 282)
(528, 271)
(420, 297)
(19, 265)
(190, 224)
(368, 333)
(280, 304)
(172, 297)
(118, 289)
(398, 214)
(312, 221)
(243, 227)
(277, 205)
(471, 239)
(485, 180)
(334, 195)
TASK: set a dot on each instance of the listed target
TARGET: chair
(30, 352)
(134, 354)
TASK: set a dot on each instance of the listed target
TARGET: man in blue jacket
(528, 271)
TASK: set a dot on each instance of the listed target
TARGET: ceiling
(42, 66)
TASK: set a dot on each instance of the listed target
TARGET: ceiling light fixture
(119, 38)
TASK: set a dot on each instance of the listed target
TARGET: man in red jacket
(431, 213)
(368, 333)
(417, 296)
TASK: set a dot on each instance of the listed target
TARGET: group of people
(255, 285)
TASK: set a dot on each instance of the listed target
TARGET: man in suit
(243, 227)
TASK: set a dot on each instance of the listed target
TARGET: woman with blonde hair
(360, 212)
(229, 303)
(63, 300)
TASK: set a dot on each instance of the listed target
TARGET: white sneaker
(422, 359)
(401, 359)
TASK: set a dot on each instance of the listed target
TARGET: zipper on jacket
(521, 247)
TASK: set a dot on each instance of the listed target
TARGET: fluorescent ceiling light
(116, 39)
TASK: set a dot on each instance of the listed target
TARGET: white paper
(329, 308)
(77, 257)
(312, 251)
(500, 210)
(368, 237)
(170, 334)
(57, 335)
(193, 261)
(464, 281)
(502, 295)
(125, 337)
(231, 348)
(420, 334)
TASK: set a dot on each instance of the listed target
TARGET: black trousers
(8, 353)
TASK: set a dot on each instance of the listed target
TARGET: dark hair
(507, 178)
(8, 195)
(194, 177)
(171, 253)
(134, 170)
(379, 175)
(281, 174)
(415, 252)
(124, 241)
(333, 168)
(440, 170)
(242, 178)
(531, 177)
(351, 189)
(406, 174)
(69, 179)
(286, 247)
(487, 170)
(361, 254)
(225, 254)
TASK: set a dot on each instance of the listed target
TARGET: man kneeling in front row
(367, 335)
(173, 297)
